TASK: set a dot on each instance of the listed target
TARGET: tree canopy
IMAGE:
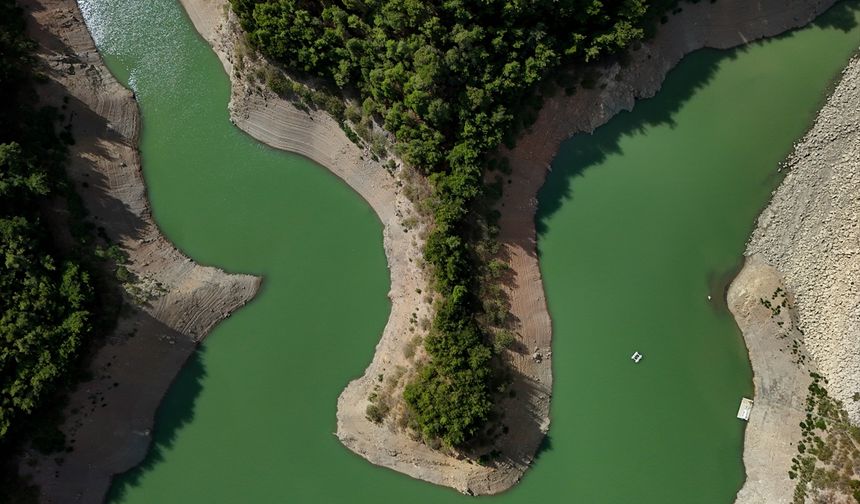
(450, 79)
(45, 299)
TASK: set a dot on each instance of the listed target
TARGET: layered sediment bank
(171, 305)
(808, 241)
(279, 123)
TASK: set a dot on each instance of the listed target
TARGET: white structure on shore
(745, 409)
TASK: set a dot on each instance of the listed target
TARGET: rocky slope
(809, 236)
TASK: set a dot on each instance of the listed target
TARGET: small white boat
(636, 357)
(745, 409)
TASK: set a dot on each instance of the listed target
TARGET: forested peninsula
(451, 82)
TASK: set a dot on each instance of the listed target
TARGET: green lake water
(638, 224)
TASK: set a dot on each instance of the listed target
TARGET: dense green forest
(46, 297)
(452, 80)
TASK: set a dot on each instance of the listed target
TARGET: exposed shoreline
(807, 240)
(780, 379)
(110, 417)
(276, 122)
(810, 232)
(721, 25)
(87, 471)
(314, 134)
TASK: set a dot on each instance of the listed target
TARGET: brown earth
(172, 304)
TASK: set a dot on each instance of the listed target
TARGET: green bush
(503, 339)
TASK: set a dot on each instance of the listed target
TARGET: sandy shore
(724, 24)
(278, 123)
(110, 418)
(810, 237)
(781, 378)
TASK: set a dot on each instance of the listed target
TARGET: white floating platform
(636, 357)
(745, 409)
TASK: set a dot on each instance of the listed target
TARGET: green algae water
(638, 224)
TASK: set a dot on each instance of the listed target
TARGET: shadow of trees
(695, 72)
(545, 447)
(174, 413)
(113, 201)
(841, 16)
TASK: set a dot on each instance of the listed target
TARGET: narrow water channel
(639, 223)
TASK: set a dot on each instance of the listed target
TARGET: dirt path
(110, 418)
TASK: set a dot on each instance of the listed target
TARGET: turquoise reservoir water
(638, 224)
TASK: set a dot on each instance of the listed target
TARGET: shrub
(503, 339)
(374, 413)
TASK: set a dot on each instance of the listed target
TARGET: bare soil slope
(781, 379)
(172, 304)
